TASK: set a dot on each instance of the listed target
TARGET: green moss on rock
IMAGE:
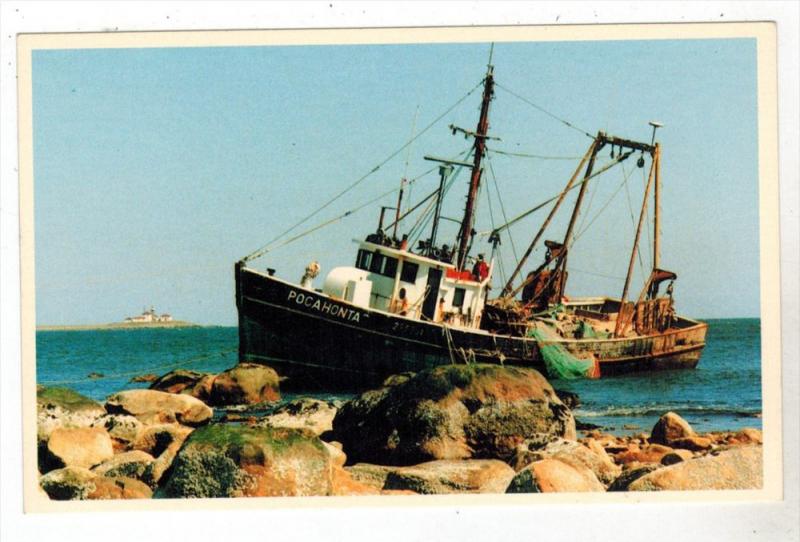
(65, 398)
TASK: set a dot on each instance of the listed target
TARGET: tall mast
(465, 233)
(656, 202)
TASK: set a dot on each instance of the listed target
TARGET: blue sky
(156, 169)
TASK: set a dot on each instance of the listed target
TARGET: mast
(509, 284)
(656, 202)
(465, 233)
(589, 167)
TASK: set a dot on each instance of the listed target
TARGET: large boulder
(477, 411)
(571, 453)
(448, 476)
(245, 384)
(178, 381)
(152, 407)
(737, 468)
(649, 453)
(554, 476)
(69, 483)
(670, 427)
(63, 407)
(304, 413)
(369, 474)
(132, 464)
(240, 461)
(123, 429)
(76, 447)
(119, 488)
(163, 443)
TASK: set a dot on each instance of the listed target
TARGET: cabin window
(458, 297)
(377, 263)
(389, 267)
(409, 272)
(363, 260)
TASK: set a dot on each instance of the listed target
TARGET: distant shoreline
(121, 325)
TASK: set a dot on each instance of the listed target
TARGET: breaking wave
(658, 410)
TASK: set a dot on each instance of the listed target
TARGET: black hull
(318, 343)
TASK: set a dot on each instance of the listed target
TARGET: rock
(371, 475)
(554, 476)
(338, 457)
(162, 442)
(69, 483)
(650, 453)
(237, 461)
(629, 476)
(119, 488)
(399, 378)
(569, 398)
(630, 426)
(676, 456)
(312, 414)
(747, 435)
(586, 426)
(76, 447)
(343, 484)
(670, 427)
(63, 407)
(95, 376)
(737, 468)
(695, 443)
(124, 430)
(149, 377)
(132, 464)
(152, 406)
(447, 476)
(246, 383)
(475, 411)
(178, 381)
(571, 453)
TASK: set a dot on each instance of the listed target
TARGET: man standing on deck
(480, 270)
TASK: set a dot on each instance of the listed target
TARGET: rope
(605, 205)
(546, 112)
(537, 156)
(171, 366)
(261, 251)
(503, 210)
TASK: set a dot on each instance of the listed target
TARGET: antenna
(656, 125)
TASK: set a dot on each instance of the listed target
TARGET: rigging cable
(537, 156)
(345, 214)
(633, 223)
(546, 112)
(263, 250)
(503, 210)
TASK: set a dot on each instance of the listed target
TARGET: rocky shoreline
(453, 429)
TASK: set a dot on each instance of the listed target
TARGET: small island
(147, 320)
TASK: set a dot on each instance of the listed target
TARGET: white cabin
(397, 281)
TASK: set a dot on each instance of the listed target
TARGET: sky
(155, 170)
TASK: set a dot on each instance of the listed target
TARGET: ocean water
(722, 393)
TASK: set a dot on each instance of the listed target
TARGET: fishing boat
(403, 308)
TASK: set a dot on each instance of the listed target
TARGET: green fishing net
(558, 361)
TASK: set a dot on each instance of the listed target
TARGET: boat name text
(320, 305)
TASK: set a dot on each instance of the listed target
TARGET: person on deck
(400, 305)
(480, 270)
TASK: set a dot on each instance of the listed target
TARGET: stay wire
(546, 112)
(261, 251)
(502, 210)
